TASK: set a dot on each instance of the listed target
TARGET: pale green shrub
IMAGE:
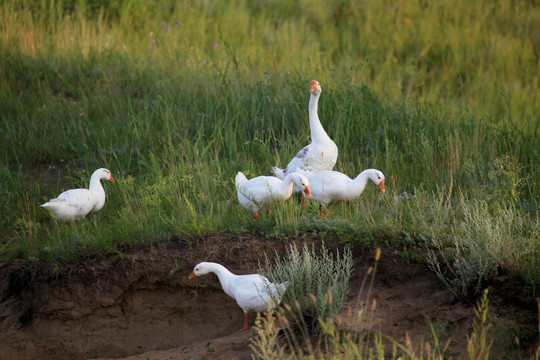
(484, 243)
(317, 283)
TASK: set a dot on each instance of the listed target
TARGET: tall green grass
(176, 98)
(481, 54)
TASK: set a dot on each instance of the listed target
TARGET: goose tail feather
(280, 173)
(240, 179)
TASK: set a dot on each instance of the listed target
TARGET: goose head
(199, 269)
(302, 182)
(315, 87)
(103, 174)
(378, 178)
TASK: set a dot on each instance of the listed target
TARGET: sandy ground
(141, 305)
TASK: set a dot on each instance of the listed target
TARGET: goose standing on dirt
(251, 292)
(330, 186)
(318, 156)
(77, 203)
(261, 191)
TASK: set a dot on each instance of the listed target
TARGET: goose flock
(313, 166)
(309, 172)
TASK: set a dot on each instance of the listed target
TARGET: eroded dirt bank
(140, 304)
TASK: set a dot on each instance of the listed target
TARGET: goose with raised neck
(321, 154)
(75, 204)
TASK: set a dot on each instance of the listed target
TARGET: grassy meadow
(176, 97)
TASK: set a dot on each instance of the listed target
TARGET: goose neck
(314, 101)
(287, 186)
(317, 131)
(97, 188)
(313, 109)
(221, 271)
(359, 183)
(95, 183)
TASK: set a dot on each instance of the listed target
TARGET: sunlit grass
(481, 55)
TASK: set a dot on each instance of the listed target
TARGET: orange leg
(255, 216)
(321, 211)
(303, 200)
(246, 326)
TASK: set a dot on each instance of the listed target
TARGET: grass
(175, 99)
(364, 342)
(439, 336)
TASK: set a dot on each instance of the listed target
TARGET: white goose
(252, 292)
(318, 156)
(77, 203)
(330, 186)
(261, 191)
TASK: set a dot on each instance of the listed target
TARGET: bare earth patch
(141, 305)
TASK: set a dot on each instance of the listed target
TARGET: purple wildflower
(169, 29)
(409, 116)
(177, 22)
(205, 62)
(395, 252)
(395, 114)
(216, 46)
(164, 24)
(1, 69)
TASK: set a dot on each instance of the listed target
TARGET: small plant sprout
(175, 267)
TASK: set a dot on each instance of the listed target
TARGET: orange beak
(313, 85)
(192, 275)
(111, 179)
(307, 192)
(381, 185)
